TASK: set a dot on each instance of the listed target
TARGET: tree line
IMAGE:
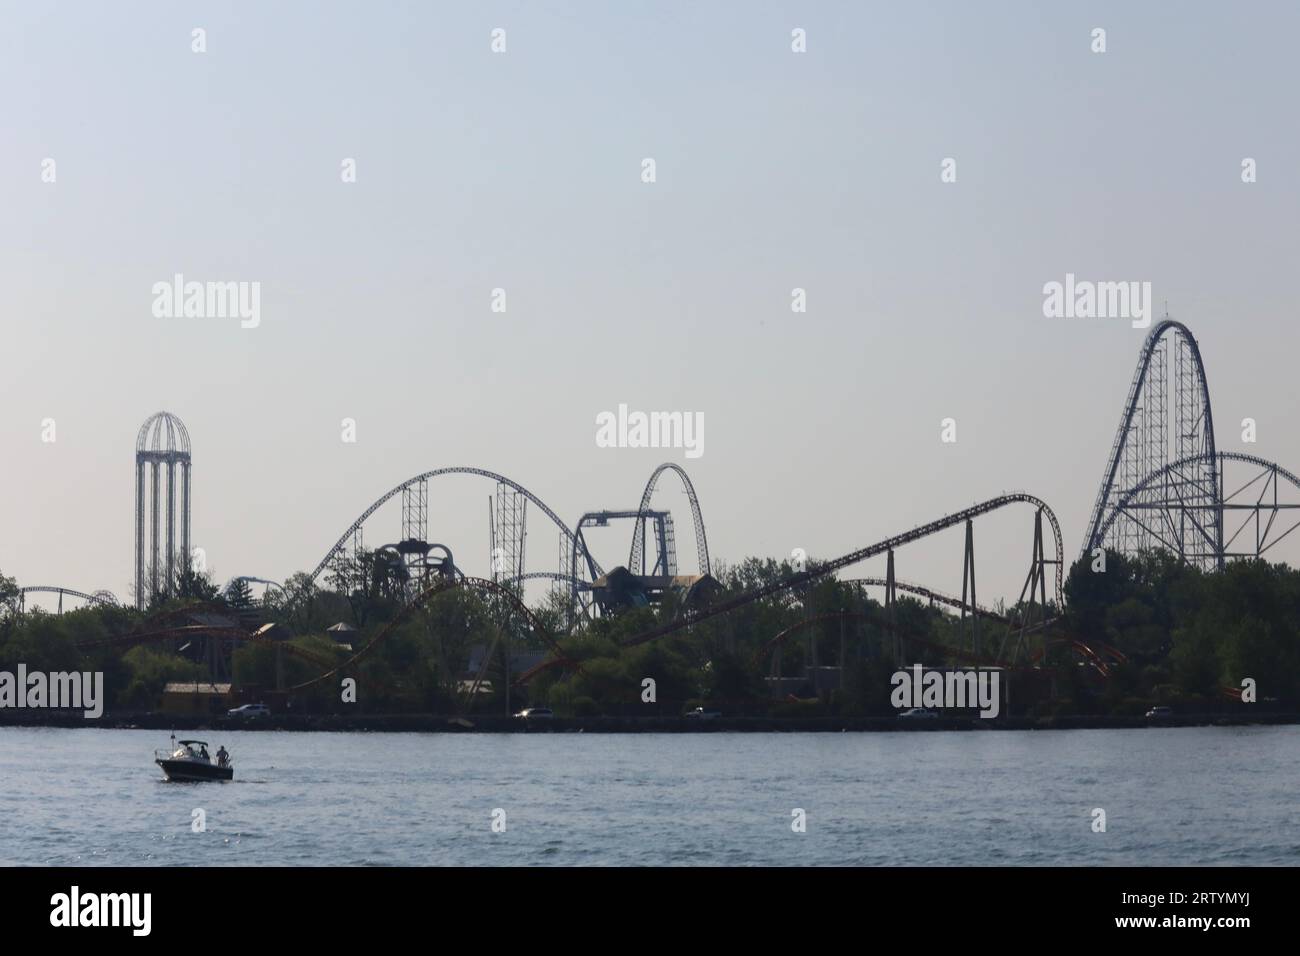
(1143, 631)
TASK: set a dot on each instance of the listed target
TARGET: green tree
(239, 595)
(192, 584)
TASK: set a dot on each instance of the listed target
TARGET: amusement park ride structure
(162, 458)
(1165, 486)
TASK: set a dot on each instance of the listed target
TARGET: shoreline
(434, 723)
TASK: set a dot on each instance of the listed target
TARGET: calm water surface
(1171, 795)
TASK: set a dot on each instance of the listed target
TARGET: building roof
(208, 619)
(520, 661)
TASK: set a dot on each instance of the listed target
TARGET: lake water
(1171, 795)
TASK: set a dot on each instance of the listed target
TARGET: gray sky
(522, 171)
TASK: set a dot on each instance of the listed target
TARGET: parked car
(250, 711)
(535, 713)
(700, 713)
(1159, 712)
(918, 713)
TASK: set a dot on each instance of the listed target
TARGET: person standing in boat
(222, 756)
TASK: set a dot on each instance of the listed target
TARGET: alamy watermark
(59, 690)
(626, 429)
(1084, 299)
(919, 687)
(75, 908)
(179, 299)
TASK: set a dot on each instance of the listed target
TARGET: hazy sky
(523, 171)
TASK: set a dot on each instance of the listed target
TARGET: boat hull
(189, 770)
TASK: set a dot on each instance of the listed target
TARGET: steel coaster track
(697, 520)
(341, 544)
(695, 616)
(1094, 538)
(1223, 501)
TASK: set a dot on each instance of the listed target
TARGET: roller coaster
(414, 516)
(104, 598)
(636, 559)
(1034, 587)
(1166, 485)
(1158, 508)
(1165, 478)
(572, 543)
